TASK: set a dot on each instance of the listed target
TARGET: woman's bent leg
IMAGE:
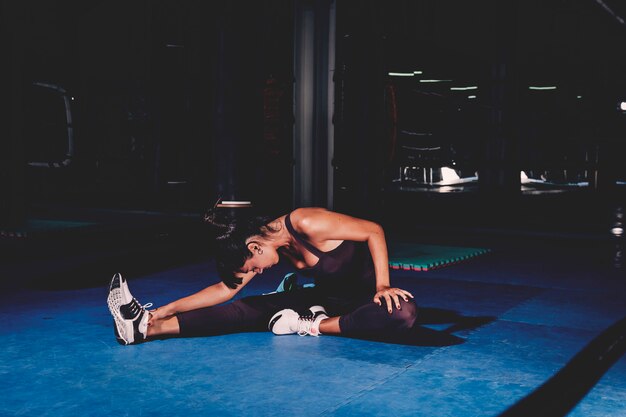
(245, 315)
(330, 326)
(372, 319)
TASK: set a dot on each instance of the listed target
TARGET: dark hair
(231, 251)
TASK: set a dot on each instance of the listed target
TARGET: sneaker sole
(122, 328)
(123, 332)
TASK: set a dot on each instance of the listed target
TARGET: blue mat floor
(59, 356)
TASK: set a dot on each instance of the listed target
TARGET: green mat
(418, 257)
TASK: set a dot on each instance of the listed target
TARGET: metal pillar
(314, 50)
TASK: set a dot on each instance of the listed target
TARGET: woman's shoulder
(302, 214)
(305, 219)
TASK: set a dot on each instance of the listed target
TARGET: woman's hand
(388, 294)
(157, 314)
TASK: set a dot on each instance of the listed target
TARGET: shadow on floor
(419, 335)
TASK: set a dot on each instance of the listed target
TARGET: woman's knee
(405, 317)
(372, 318)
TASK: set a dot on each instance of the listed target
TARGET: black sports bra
(350, 260)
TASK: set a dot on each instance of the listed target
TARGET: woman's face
(263, 257)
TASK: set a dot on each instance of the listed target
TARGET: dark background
(178, 103)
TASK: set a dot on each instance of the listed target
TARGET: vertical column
(500, 170)
(304, 101)
(12, 161)
(330, 103)
(238, 103)
(313, 102)
(322, 111)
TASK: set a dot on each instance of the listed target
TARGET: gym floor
(527, 309)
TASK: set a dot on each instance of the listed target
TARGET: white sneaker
(130, 317)
(288, 321)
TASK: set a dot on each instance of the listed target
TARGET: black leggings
(359, 315)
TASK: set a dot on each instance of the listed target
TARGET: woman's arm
(210, 296)
(321, 225)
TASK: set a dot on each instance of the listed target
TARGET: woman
(346, 256)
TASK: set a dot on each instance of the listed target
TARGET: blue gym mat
(59, 356)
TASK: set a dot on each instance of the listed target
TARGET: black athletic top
(347, 267)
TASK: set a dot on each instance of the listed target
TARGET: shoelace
(304, 324)
(146, 307)
(135, 307)
(143, 324)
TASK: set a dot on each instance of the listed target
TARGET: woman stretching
(346, 256)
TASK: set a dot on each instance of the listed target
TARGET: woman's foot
(130, 317)
(288, 321)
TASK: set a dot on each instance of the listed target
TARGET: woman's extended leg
(243, 315)
(168, 326)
